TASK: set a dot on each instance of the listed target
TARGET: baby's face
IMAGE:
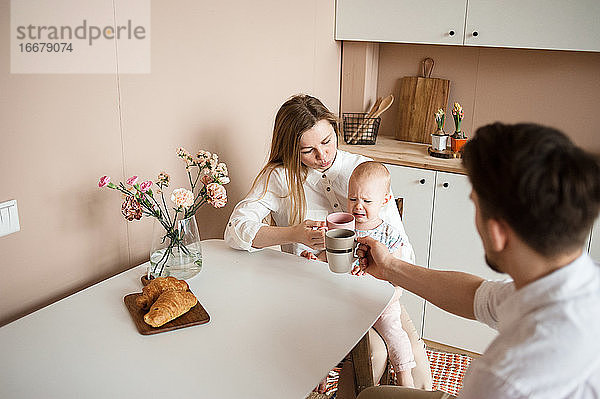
(366, 196)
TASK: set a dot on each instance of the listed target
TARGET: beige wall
(556, 88)
(220, 70)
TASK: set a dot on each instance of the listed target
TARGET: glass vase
(177, 252)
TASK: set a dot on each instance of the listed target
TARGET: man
(536, 197)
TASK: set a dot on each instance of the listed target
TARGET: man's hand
(311, 233)
(374, 257)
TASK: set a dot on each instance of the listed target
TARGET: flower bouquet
(439, 138)
(458, 114)
(458, 138)
(440, 117)
(176, 247)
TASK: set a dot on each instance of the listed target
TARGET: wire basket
(358, 129)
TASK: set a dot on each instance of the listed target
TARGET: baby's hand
(356, 271)
(308, 255)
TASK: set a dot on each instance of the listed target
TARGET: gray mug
(340, 246)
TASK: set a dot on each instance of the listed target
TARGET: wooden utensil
(367, 123)
(420, 97)
(383, 106)
(375, 107)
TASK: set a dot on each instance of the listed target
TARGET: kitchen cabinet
(595, 242)
(408, 21)
(413, 188)
(535, 24)
(439, 219)
(456, 245)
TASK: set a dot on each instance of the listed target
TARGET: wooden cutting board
(193, 317)
(420, 97)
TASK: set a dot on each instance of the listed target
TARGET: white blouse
(325, 192)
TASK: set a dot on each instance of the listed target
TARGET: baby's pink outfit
(389, 326)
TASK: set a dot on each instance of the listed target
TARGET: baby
(368, 191)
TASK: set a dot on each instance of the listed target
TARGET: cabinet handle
(475, 33)
(446, 185)
(451, 33)
(422, 181)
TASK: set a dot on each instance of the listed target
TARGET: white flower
(203, 155)
(217, 195)
(182, 197)
(222, 169)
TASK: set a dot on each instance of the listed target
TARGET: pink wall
(556, 88)
(220, 70)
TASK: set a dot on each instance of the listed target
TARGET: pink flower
(131, 209)
(104, 180)
(182, 197)
(145, 186)
(217, 195)
(132, 180)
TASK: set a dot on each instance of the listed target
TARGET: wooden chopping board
(420, 97)
(193, 317)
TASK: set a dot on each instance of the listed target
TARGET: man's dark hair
(533, 177)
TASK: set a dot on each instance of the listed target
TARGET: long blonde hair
(297, 115)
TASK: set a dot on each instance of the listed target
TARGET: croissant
(156, 287)
(169, 305)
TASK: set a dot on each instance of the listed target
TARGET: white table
(278, 324)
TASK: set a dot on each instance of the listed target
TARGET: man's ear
(498, 233)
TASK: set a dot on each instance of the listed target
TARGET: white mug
(340, 247)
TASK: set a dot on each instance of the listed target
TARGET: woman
(305, 179)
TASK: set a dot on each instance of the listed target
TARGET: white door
(455, 245)
(542, 24)
(407, 21)
(595, 241)
(413, 189)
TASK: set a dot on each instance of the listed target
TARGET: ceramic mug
(340, 220)
(340, 247)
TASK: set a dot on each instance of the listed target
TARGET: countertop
(392, 151)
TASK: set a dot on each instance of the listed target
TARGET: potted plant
(439, 138)
(458, 138)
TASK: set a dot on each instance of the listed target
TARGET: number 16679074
(42, 47)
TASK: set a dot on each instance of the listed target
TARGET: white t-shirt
(549, 337)
(325, 192)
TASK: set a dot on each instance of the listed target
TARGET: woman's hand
(374, 257)
(357, 271)
(310, 233)
(308, 255)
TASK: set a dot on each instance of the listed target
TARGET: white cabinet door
(407, 21)
(595, 242)
(538, 24)
(455, 245)
(415, 188)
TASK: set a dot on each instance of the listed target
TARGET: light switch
(9, 218)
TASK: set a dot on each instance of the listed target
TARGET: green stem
(190, 179)
(162, 195)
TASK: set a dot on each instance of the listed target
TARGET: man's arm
(451, 291)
